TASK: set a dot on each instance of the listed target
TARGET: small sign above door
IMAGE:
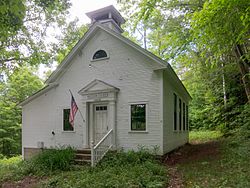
(97, 96)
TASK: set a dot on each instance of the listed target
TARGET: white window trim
(62, 118)
(139, 131)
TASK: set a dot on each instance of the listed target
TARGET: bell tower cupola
(107, 16)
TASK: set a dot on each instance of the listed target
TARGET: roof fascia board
(174, 76)
(38, 93)
(136, 46)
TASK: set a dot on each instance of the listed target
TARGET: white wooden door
(100, 122)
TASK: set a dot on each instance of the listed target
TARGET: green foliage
(71, 35)
(53, 159)
(19, 85)
(47, 162)
(124, 158)
(24, 28)
(203, 45)
(9, 168)
(119, 169)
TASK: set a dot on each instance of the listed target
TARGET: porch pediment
(97, 86)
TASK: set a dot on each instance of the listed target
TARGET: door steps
(83, 156)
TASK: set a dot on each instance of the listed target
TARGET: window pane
(175, 112)
(138, 117)
(184, 116)
(180, 116)
(100, 54)
(66, 125)
(187, 117)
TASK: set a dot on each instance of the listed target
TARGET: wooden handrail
(103, 138)
(95, 154)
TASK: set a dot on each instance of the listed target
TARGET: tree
(222, 28)
(192, 36)
(24, 26)
(70, 36)
(19, 85)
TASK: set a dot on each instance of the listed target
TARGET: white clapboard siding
(126, 69)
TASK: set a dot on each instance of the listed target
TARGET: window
(184, 116)
(187, 117)
(180, 113)
(101, 108)
(66, 125)
(175, 112)
(100, 54)
(138, 117)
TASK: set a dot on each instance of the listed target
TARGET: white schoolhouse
(127, 97)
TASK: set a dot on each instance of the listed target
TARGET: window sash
(180, 115)
(66, 124)
(175, 112)
(138, 117)
(184, 116)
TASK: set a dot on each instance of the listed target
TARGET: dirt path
(188, 154)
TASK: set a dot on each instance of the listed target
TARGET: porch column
(112, 109)
(91, 123)
(86, 143)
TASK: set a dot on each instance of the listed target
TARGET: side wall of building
(172, 138)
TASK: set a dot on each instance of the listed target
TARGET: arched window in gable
(100, 54)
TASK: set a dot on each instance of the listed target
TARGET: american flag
(73, 111)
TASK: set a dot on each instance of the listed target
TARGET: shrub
(52, 159)
(117, 169)
(9, 167)
(122, 158)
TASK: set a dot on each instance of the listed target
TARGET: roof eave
(38, 93)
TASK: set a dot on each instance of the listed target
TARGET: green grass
(204, 136)
(229, 169)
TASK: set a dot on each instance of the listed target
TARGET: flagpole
(78, 108)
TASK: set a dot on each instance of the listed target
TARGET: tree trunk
(243, 63)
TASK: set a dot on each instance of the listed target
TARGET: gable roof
(83, 41)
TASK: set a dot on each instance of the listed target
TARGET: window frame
(99, 59)
(146, 117)
(63, 130)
